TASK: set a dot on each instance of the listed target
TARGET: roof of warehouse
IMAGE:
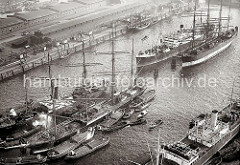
(31, 15)
(85, 18)
(65, 6)
(90, 1)
(9, 21)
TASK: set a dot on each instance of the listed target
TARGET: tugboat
(215, 41)
(208, 135)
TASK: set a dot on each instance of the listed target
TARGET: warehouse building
(36, 17)
(10, 24)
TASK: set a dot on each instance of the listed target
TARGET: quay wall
(58, 54)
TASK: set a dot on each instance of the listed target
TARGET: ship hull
(209, 53)
(160, 57)
(213, 150)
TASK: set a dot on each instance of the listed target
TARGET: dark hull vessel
(83, 93)
(64, 131)
(124, 124)
(23, 160)
(6, 123)
(104, 110)
(23, 133)
(62, 149)
(88, 148)
(208, 50)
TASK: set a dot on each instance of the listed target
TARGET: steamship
(207, 134)
(170, 45)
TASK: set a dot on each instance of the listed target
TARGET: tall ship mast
(216, 40)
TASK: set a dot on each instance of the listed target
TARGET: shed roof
(88, 2)
(31, 15)
(9, 21)
(65, 6)
(85, 18)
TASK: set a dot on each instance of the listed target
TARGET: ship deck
(202, 149)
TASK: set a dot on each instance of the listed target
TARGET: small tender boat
(142, 114)
(23, 133)
(62, 149)
(128, 114)
(113, 118)
(138, 122)
(115, 127)
(33, 159)
(90, 147)
(154, 124)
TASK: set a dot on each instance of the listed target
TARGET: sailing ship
(87, 90)
(215, 41)
(117, 100)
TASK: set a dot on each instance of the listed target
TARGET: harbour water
(176, 104)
